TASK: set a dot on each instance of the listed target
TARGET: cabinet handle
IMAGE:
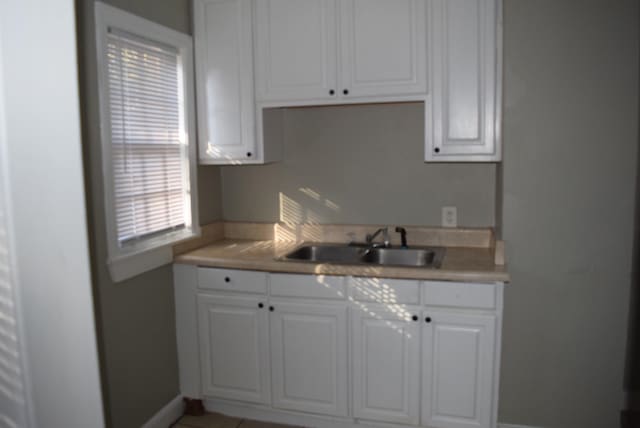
(427, 319)
(346, 92)
(332, 92)
(415, 318)
(437, 150)
(271, 308)
(227, 279)
(248, 154)
(261, 305)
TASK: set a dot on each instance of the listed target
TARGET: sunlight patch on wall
(309, 208)
(291, 212)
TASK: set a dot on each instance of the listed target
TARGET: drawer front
(481, 296)
(384, 290)
(232, 280)
(313, 286)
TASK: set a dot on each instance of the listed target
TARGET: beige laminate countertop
(459, 264)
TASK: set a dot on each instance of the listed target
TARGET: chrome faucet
(385, 238)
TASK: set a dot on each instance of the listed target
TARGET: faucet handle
(403, 236)
(352, 237)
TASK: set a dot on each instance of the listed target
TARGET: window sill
(148, 255)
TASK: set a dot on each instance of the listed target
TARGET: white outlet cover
(449, 217)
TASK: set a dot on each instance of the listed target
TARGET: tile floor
(217, 420)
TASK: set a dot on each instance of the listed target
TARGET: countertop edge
(275, 266)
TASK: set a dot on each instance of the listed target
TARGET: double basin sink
(424, 257)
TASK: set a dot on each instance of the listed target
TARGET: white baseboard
(170, 413)
(265, 413)
(514, 426)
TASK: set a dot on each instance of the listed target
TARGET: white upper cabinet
(230, 129)
(254, 57)
(463, 119)
(295, 49)
(383, 47)
(224, 65)
(335, 51)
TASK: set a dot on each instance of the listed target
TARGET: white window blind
(149, 157)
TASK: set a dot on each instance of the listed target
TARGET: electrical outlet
(449, 217)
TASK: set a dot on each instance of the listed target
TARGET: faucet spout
(385, 237)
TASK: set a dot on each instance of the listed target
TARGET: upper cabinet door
(463, 122)
(458, 378)
(296, 49)
(224, 81)
(383, 47)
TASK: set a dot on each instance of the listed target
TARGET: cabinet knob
(248, 154)
(415, 318)
(346, 92)
(332, 92)
(261, 305)
(271, 308)
(427, 319)
(437, 150)
(227, 279)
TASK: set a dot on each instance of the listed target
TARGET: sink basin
(403, 257)
(327, 253)
(428, 257)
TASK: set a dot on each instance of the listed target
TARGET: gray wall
(632, 367)
(135, 318)
(366, 165)
(570, 135)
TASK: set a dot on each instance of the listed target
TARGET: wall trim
(515, 426)
(265, 413)
(166, 416)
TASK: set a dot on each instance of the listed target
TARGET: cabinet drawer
(314, 286)
(384, 290)
(481, 296)
(232, 280)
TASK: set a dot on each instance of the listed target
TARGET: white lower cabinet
(386, 360)
(309, 357)
(458, 358)
(367, 351)
(234, 348)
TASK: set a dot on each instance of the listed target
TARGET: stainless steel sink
(427, 257)
(404, 257)
(327, 253)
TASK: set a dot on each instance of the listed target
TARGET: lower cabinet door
(234, 348)
(309, 357)
(458, 369)
(386, 363)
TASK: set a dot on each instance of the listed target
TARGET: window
(145, 76)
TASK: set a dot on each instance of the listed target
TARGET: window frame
(147, 254)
